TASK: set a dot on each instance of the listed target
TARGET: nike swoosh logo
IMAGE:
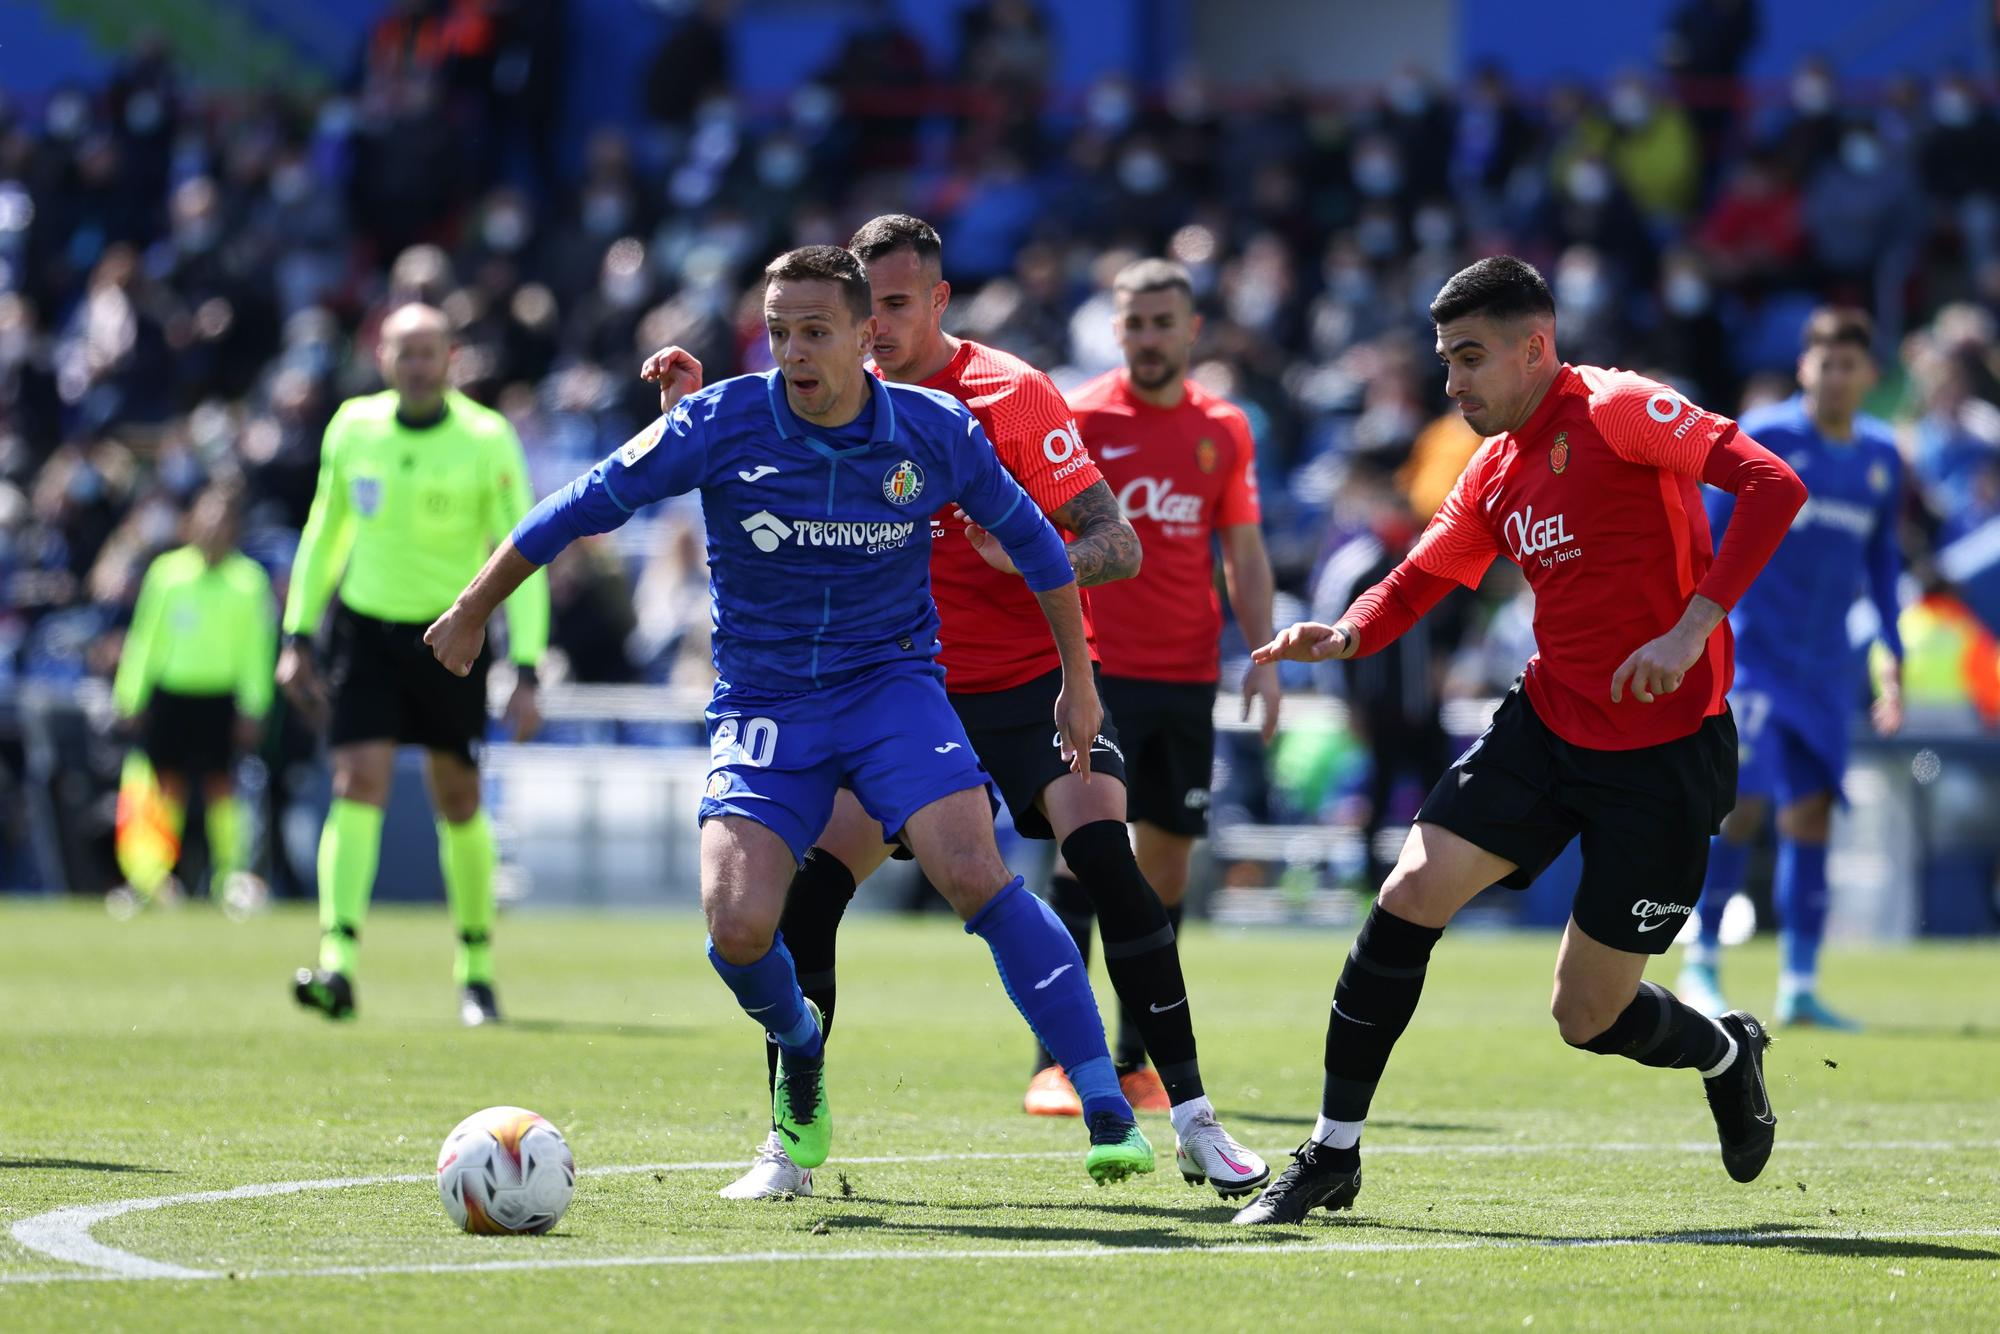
(947, 748)
(1350, 1018)
(1644, 927)
(761, 1008)
(762, 470)
(1116, 452)
(1162, 1009)
(1053, 976)
(992, 398)
(1234, 1166)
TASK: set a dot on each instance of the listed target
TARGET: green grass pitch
(1511, 1181)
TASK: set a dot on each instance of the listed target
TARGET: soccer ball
(504, 1172)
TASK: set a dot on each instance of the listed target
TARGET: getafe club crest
(1204, 454)
(903, 483)
(1559, 452)
(367, 495)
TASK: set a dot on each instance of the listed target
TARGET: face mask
(1589, 182)
(1861, 153)
(1110, 107)
(144, 113)
(1812, 95)
(505, 230)
(604, 212)
(290, 183)
(1378, 175)
(781, 164)
(1433, 226)
(1378, 237)
(1687, 295)
(1951, 106)
(1630, 107)
(67, 115)
(1142, 172)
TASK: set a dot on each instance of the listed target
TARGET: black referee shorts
(1168, 732)
(1645, 817)
(191, 735)
(387, 686)
(1013, 732)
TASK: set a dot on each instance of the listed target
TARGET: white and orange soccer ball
(504, 1172)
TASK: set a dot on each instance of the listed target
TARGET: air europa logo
(1528, 536)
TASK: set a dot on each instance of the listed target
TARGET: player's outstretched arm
(1381, 614)
(1308, 641)
(1106, 546)
(457, 636)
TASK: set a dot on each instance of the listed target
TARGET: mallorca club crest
(1204, 454)
(1559, 453)
(903, 483)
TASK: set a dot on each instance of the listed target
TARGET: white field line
(65, 1234)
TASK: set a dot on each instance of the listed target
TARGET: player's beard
(1156, 373)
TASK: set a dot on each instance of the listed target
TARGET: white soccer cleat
(1209, 1153)
(772, 1176)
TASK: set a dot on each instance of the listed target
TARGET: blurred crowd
(190, 284)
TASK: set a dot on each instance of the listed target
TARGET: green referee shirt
(404, 517)
(199, 629)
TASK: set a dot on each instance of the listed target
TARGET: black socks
(1372, 1004)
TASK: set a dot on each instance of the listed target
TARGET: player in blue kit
(1795, 677)
(817, 482)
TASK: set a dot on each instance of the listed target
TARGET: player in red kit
(1183, 466)
(1003, 676)
(1618, 731)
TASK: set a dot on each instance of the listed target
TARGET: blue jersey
(818, 539)
(1791, 626)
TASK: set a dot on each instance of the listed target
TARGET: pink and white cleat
(1208, 1153)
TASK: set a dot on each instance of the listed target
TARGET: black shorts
(387, 686)
(1645, 817)
(193, 735)
(1168, 731)
(1014, 734)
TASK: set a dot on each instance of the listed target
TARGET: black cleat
(1320, 1177)
(477, 1006)
(329, 993)
(1742, 1106)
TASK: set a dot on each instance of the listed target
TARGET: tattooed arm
(1104, 549)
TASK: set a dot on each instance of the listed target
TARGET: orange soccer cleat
(1050, 1094)
(1143, 1089)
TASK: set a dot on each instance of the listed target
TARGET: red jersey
(1180, 474)
(993, 631)
(1598, 499)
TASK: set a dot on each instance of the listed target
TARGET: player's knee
(740, 937)
(1808, 821)
(1581, 1017)
(1419, 893)
(968, 879)
(361, 783)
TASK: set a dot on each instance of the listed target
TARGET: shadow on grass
(78, 1165)
(1222, 1209)
(586, 1028)
(1151, 1238)
(1960, 1032)
(1303, 1123)
(1785, 1236)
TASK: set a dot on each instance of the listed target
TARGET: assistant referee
(417, 484)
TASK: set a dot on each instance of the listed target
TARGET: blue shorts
(1780, 755)
(891, 738)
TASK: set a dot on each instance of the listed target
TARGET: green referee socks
(228, 847)
(467, 854)
(348, 849)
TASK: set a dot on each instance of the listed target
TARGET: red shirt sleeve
(1645, 422)
(1384, 612)
(1238, 503)
(1768, 494)
(1038, 440)
(1458, 544)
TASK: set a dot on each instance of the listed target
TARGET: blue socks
(768, 991)
(1800, 898)
(1725, 877)
(1047, 980)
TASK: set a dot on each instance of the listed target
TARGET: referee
(194, 682)
(416, 485)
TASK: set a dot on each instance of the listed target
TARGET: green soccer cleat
(329, 993)
(799, 1111)
(1118, 1149)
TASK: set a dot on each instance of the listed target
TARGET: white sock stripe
(1728, 1057)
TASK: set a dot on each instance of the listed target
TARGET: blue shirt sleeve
(1885, 557)
(991, 498)
(668, 458)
